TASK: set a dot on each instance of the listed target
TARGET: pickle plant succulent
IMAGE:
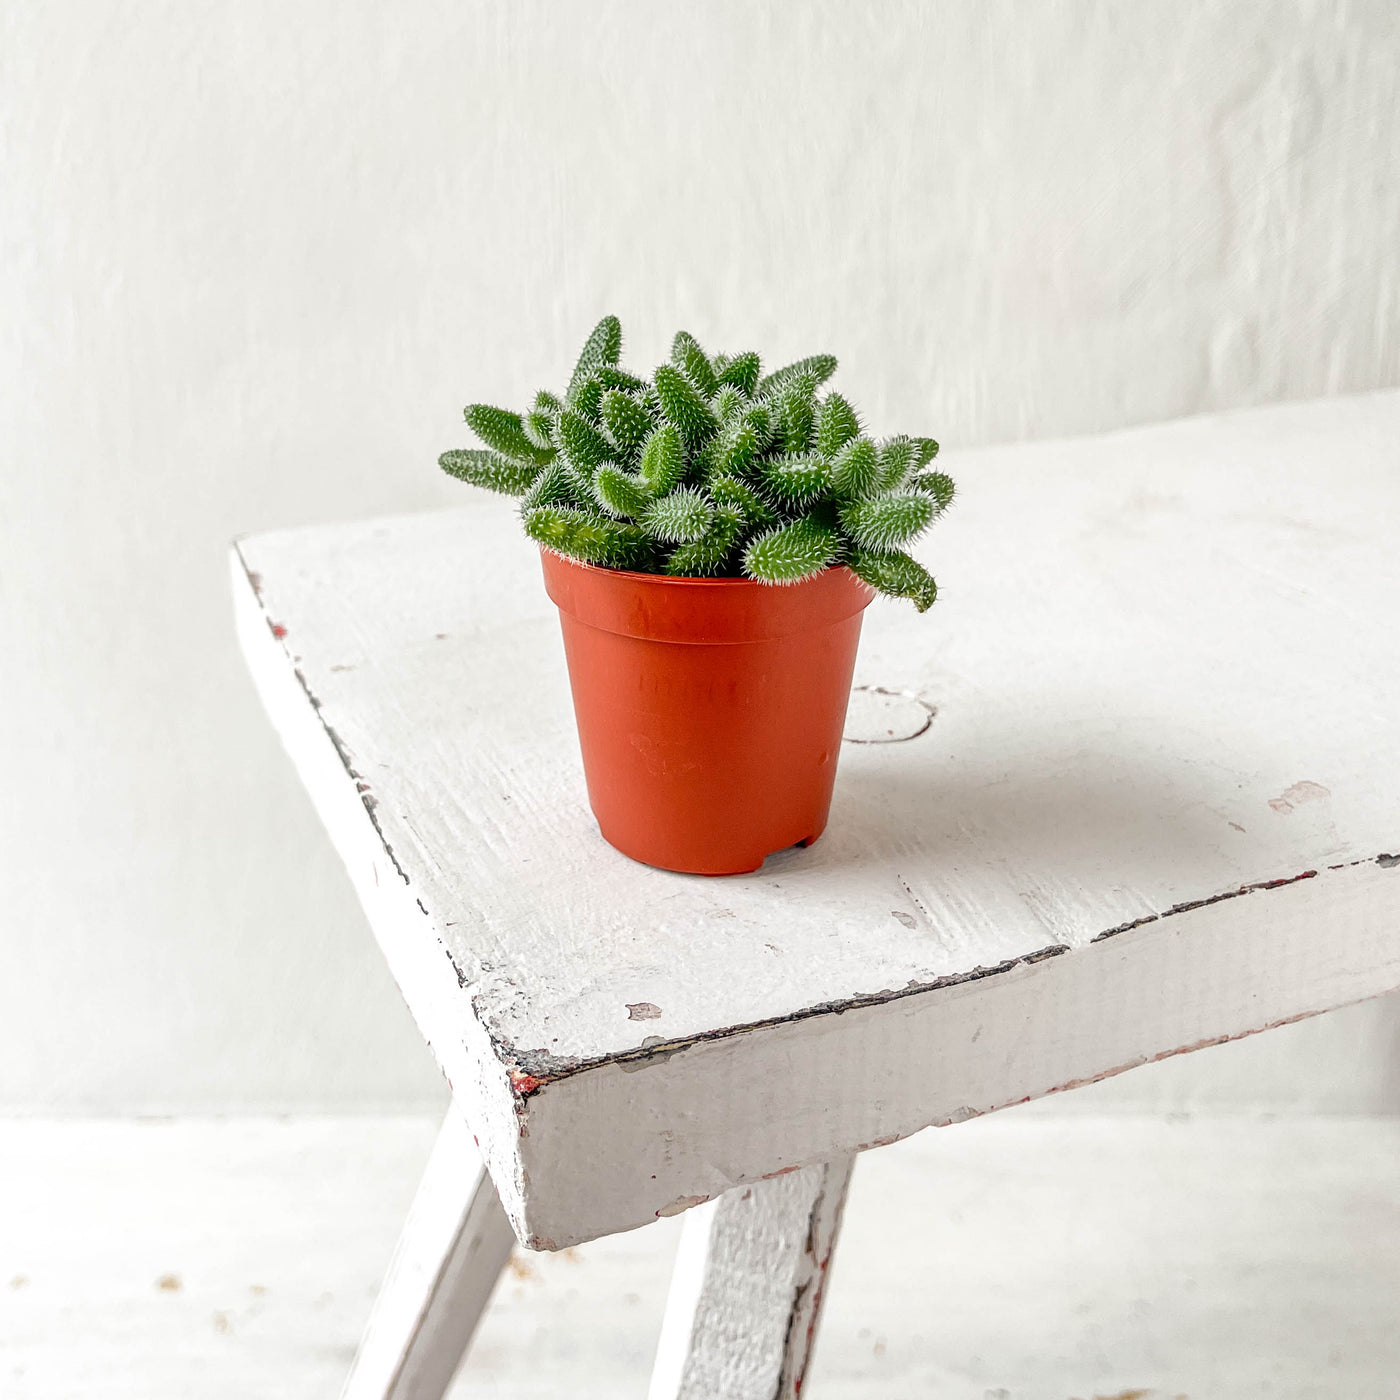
(710, 469)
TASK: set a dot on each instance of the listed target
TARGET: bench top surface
(1164, 668)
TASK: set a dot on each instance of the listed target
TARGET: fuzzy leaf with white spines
(895, 574)
(820, 367)
(939, 485)
(709, 554)
(886, 522)
(856, 471)
(683, 406)
(582, 443)
(796, 481)
(603, 347)
(619, 492)
(593, 538)
(663, 459)
(792, 552)
(503, 431)
(837, 424)
(680, 517)
(687, 356)
(626, 422)
(742, 372)
(490, 470)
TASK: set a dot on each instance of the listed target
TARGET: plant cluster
(710, 469)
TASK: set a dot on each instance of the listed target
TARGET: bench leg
(747, 1291)
(454, 1244)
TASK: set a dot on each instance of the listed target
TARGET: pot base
(742, 866)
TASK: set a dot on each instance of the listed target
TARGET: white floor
(1015, 1258)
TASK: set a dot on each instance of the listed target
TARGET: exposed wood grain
(455, 1243)
(746, 1295)
(1154, 809)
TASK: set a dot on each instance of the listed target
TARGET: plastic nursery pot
(709, 710)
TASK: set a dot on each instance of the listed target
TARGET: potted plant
(711, 537)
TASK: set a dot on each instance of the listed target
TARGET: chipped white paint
(1144, 640)
(454, 1244)
(747, 1291)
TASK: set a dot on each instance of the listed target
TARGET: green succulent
(710, 469)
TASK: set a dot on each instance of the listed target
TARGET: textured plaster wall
(254, 257)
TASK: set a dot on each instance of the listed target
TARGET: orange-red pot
(709, 710)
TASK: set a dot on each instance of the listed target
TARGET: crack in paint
(1189, 905)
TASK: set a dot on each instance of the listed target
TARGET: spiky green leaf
(856, 470)
(556, 485)
(837, 424)
(619, 492)
(896, 574)
(795, 481)
(603, 346)
(820, 367)
(663, 460)
(936, 484)
(792, 552)
(679, 517)
(742, 372)
(587, 399)
(742, 442)
(593, 538)
(728, 402)
(547, 402)
(538, 426)
(925, 450)
(611, 377)
(896, 462)
(797, 413)
(627, 422)
(688, 357)
(582, 443)
(503, 430)
(682, 404)
(489, 469)
(885, 522)
(729, 491)
(709, 554)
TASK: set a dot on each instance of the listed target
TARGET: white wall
(254, 257)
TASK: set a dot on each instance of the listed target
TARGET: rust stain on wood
(523, 1085)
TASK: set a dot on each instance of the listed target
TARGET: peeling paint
(523, 1085)
(680, 1204)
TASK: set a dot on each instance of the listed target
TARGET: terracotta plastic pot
(709, 710)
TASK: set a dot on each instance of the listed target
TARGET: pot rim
(650, 607)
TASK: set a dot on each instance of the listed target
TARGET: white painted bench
(1132, 788)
